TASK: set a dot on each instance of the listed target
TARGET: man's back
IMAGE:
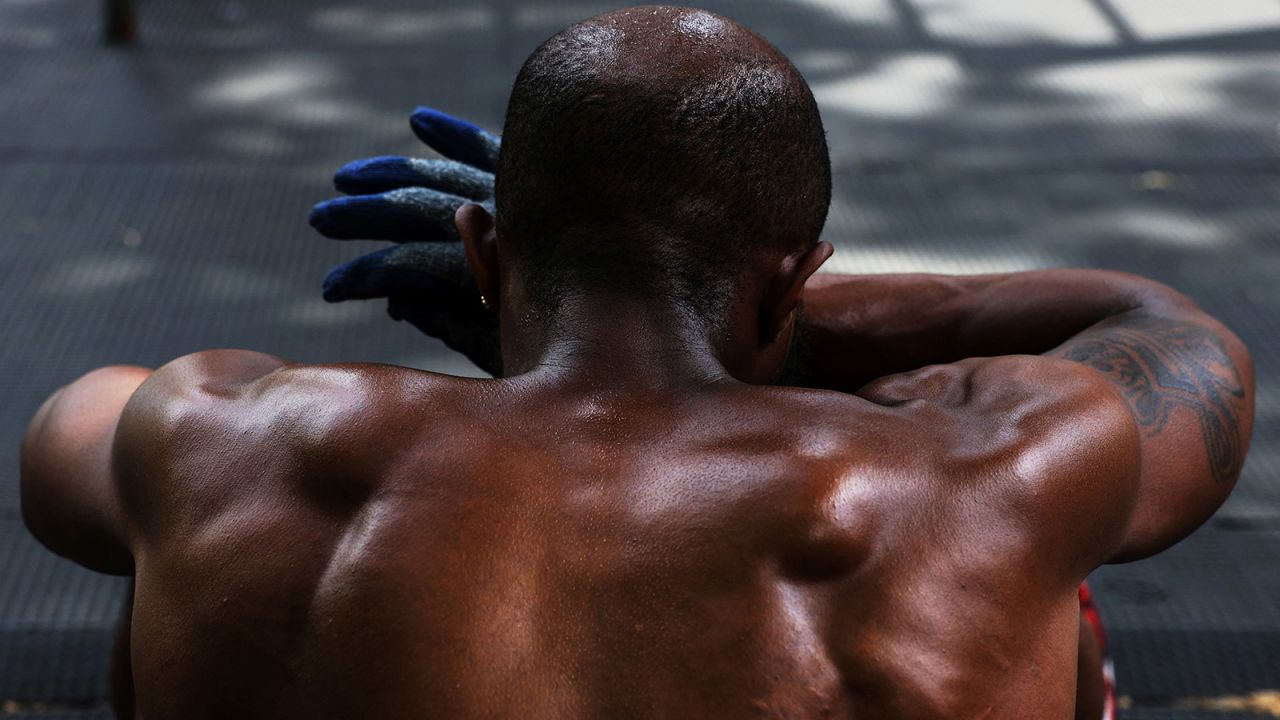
(635, 521)
(375, 541)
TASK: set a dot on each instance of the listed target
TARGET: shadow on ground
(153, 203)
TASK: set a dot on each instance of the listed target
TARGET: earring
(484, 303)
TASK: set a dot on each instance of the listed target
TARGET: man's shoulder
(838, 434)
(851, 425)
(1003, 406)
(1026, 427)
(246, 398)
(1038, 449)
(214, 427)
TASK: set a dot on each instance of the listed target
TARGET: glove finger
(380, 174)
(456, 139)
(430, 271)
(421, 315)
(404, 215)
(466, 329)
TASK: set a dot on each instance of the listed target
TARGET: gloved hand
(412, 201)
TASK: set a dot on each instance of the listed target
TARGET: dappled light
(1175, 228)
(906, 86)
(279, 84)
(894, 260)
(156, 201)
(908, 89)
(95, 275)
(1000, 22)
(1171, 86)
(402, 25)
(1164, 20)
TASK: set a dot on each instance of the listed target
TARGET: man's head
(658, 151)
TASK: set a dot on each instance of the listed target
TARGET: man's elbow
(67, 497)
(1244, 361)
(33, 467)
(1151, 295)
(67, 527)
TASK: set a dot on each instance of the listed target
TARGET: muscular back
(373, 541)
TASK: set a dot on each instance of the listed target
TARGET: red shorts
(1090, 613)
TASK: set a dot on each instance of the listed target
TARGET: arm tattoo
(1160, 365)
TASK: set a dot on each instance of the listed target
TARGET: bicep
(70, 500)
(1188, 383)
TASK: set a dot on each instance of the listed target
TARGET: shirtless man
(633, 521)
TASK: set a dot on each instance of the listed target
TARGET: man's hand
(412, 201)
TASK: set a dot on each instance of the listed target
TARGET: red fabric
(1090, 613)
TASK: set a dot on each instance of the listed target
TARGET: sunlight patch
(1157, 226)
(93, 274)
(1004, 22)
(401, 25)
(1185, 19)
(1187, 85)
(858, 260)
(264, 84)
(907, 86)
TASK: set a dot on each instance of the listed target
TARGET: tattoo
(1161, 365)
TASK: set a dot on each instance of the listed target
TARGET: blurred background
(153, 202)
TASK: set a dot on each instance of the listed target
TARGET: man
(634, 521)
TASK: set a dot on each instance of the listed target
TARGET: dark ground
(153, 203)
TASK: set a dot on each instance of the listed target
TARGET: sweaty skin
(626, 532)
(636, 521)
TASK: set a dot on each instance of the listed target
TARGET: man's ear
(480, 240)
(787, 289)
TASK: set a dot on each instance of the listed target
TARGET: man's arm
(856, 328)
(1189, 383)
(90, 442)
(70, 498)
(1183, 382)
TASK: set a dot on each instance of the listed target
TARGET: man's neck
(620, 341)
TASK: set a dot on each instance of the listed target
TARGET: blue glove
(412, 201)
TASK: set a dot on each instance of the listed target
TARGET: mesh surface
(153, 203)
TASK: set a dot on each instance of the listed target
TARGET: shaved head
(658, 149)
